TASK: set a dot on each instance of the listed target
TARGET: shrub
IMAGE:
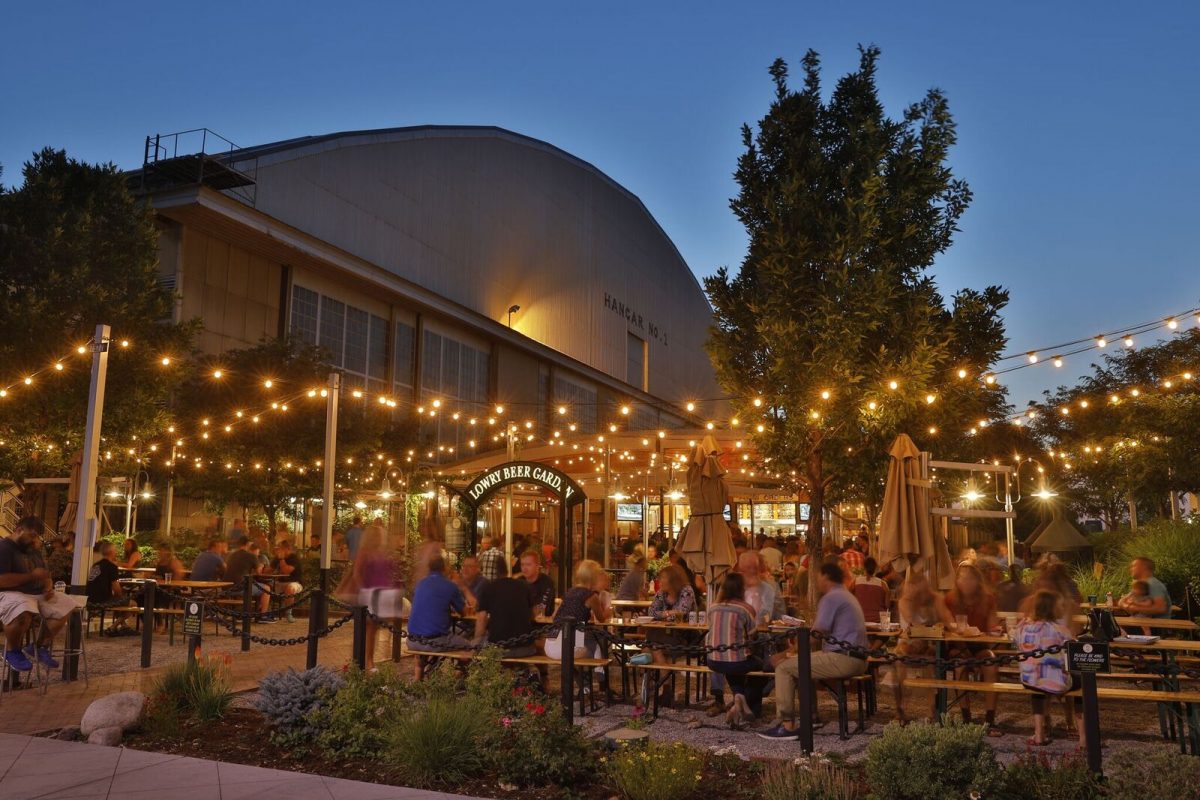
(1141, 774)
(1173, 545)
(1042, 777)
(289, 699)
(809, 778)
(437, 743)
(491, 685)
(657, 771)
(538, 746)
(354, 723)
(1110, 580)
(923, 761)
(200, 688)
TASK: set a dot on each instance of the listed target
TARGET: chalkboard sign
(1087, 657)
(193, 617)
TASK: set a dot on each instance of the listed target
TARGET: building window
(333, 328)
(458, 372)
(636, 355)
(404, 359)
(356, 340)
(580, 402)
(304, 314)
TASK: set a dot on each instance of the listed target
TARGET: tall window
(455, 371)
(356, 339)
(636, 355)
(580, 401)
(404, 358)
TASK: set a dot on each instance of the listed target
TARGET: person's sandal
(994, 732)
(1032, 742)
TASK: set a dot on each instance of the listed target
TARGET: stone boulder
(122, 710)
(109, 737)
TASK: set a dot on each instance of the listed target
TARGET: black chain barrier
(294, 640)
(506, 644)
(253, 616)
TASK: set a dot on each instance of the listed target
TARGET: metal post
(1091, 721)
(508, 501)
(568, 668)
(247, 610)
(607, 499)
(359, 645)
(85, 513)
(169, 501)
(1008, 521)
(148, 589)
(804, 688)
(316, 621)
(194, 643)
(330, 465)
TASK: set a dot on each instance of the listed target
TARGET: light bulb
(1058, 362)
(1128, 341)
(1033, 358)
(1101, 341)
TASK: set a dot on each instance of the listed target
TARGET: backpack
(1048, 673)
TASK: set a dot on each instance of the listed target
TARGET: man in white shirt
(773, 556)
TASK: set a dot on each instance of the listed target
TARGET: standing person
(870, 591)
(505, 614)
(210, 565)
(971, 598)
(26, 589)
(1046, 675)
(1159, 605)
(491, 560)
(772, 555)
(582, 604)
(540, 588)
(731, 624)
(104, 585)
(130, 554)
(353, 537)
(840, 617)
(287, 564)
(372, 580)
(237, 532)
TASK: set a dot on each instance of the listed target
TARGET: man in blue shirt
(838, 615)
(353, 537)
(1142, 569)
(210, 565)
(429, 621)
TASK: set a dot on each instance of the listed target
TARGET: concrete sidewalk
(43, 769)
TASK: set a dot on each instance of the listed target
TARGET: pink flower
(506, 722)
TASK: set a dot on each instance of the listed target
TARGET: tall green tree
(832, 320)
(77, 249)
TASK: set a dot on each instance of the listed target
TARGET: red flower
(539, 709)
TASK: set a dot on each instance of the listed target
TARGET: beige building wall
(235, 292)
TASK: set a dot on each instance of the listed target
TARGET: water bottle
(1109, 599)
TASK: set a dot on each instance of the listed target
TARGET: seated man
(429, 626)
(288, 564)
(104, 586)
(839, 616)
(210, 565)
(505, 613)
(243, 562)
(26, 588)
(472, 580)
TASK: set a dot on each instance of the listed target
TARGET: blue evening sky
(1077, 121)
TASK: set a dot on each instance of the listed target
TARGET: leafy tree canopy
(846, 209)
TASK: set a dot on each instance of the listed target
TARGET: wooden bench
(582, 665)
(1165, 699)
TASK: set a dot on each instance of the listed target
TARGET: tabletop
(631, 603)
(199, 584)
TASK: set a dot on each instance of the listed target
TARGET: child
(1046, 675)
(1138, 599)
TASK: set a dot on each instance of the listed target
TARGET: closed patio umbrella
(706, 542)
(907, 538)
(66, 523)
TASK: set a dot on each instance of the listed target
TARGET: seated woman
(919, 605)
(972, 599)
(130, 555)
(581, 603)
(731, 623)
(870, 591)
(672, 603)
(1045, 676)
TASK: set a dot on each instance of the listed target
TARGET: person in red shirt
(870, 592)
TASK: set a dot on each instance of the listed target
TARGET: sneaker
(290, 618)
(17, 660)
(268, 621)
(779, 732)
(43, 655)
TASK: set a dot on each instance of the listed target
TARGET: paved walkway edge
(32, 768)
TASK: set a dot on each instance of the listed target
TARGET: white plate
(1136, 638)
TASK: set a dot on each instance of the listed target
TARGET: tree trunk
(816, 524)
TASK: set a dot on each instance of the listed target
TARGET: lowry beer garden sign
(552, 480)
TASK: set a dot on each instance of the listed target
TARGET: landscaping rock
(122, 710)
(626, 736)
(109, 737)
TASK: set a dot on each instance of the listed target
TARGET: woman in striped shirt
(731, 623)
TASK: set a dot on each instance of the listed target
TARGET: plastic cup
(960, 622)
(885, 618)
